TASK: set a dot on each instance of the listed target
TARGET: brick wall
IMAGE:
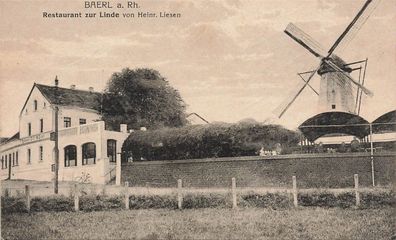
(326, 170)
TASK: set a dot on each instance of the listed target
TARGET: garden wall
(312, 171)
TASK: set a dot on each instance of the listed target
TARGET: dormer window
(35, 105)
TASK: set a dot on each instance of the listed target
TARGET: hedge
(201, 200)
(210, 140)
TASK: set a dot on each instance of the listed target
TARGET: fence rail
(76, 190)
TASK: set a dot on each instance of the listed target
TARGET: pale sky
(229, 59)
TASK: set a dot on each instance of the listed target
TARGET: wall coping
(260, 158)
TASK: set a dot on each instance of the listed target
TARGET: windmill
(336, 86)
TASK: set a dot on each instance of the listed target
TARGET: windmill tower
(336, 85)
(335, 94)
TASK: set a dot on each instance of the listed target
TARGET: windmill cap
(325, 68)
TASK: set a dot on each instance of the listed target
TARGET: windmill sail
(355, 25)
(292, 96)
(278, 111)
(305, 40)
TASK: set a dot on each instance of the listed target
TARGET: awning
(334, 122)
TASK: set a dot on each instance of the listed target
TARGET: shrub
(268, 200)
(152, 201)
(13, 204)
(52, 203)
(378, 199)
(346, 200)
(326, 199)
(210, 200)
(90, 203)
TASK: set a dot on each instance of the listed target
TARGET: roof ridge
(81, 90)
(71, 97)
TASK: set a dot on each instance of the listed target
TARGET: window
(45, 104)
(41, 153)
(70, 156)
(88, 153)
(16, 159)
(2, 162)
(112, 150)
(333, 106)
(13, 159)
(5, 161)
(67, 122)
(83, 121)
(35, 105)
(41, 125)
(9, 159)
(29, 156)
(29, 129)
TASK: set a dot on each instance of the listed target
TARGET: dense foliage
(210, 140)
(142, 98)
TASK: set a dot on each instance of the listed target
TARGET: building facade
(87, 151)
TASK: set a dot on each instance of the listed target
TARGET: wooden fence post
(233, 191)
(295, 199)
(76, 198)
(357, 194)
(179, 194)
(127, 195)
(27, 197)
(118, 171)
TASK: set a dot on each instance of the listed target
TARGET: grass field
(250, 223)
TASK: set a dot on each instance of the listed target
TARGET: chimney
(56, 81)
(73, 86)
(123, 128)
(91, 89)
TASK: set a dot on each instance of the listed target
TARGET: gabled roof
(14, 137)
(197, 118)
(69, 97)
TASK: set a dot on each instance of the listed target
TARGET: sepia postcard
(198, 119)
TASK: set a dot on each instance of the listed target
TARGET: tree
(209, 140)
(142, 98)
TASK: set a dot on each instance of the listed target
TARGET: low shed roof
(334, 122)
(385, 123)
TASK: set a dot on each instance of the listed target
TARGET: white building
(85, 146)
